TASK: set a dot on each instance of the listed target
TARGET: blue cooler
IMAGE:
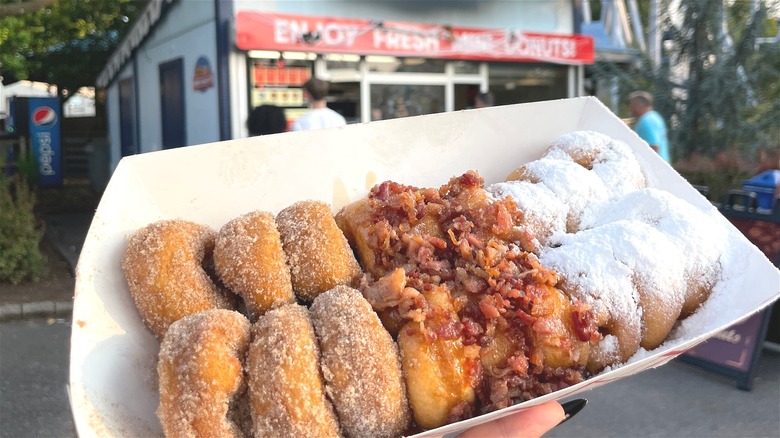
(763, 185)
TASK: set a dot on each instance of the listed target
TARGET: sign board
(45, 140)
(303, 33)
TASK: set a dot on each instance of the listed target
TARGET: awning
(316, 34)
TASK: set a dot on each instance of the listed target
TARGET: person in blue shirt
(649, 125)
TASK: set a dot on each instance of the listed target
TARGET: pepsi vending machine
(38, 119)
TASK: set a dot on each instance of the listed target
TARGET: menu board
(284, 97)
(279, 84)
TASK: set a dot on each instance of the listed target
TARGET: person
(483, 100)
(532, 422)
(649, 125)
(266, 119)
(316, 90)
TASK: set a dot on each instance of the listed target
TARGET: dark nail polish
(571, 408)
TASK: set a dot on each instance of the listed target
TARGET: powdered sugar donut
(610, 159)
(572, 184)
(610, 268)
(696, 234)
(545, 214)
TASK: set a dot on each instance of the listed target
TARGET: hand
(531, 422)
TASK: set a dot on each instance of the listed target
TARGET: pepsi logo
(44, 116)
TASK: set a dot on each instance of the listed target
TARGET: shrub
(20, 233)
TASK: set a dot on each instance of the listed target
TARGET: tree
(65, 43)
(717, 88)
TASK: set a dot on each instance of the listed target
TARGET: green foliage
(26, 166)
(718, 91)
(20, 233)
(67, 43)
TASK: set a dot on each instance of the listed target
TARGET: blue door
(127, 143)
(172, 104)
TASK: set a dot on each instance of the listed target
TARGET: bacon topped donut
(458, 251)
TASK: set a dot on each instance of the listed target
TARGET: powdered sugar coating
(573, 184)
(249, 259)
(286, 392)
(202, 375)
(624, 264)
(589, 272)
(695, 233)
(360, 364)
(317, 252)
(164, 268)
(544, 213)
(610, 159)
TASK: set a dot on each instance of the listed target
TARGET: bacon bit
(524, 317)
(585, 323)
(536, 357)
(452, 237)
(504, 221)
(518, 364)
(547, 325)
(489, 307)
(437, 242)
(474, 241)
(528, 272)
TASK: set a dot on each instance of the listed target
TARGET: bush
(20, 233)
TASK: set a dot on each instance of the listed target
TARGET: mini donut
(439, 371)
(355, 221)
(696, 234)
(571, 183)
(589, 272)
(317, 251)
(360, 365)
(610, 159)
(286, 392)
(164, 268)
(544, 214)
(249, 260)
(201, 374)
(611, 265)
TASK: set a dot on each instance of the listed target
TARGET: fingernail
(571, 408)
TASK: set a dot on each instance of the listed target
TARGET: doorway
(172, 104)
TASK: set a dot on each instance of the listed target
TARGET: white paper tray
(113, 386)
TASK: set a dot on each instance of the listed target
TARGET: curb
(52, 309)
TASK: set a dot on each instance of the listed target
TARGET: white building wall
(523, 15)
(188, 32)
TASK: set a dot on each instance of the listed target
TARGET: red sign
(304, 33)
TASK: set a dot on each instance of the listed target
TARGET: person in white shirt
(320, 116)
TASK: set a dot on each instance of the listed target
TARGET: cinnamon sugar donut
(201, 374)
(249, 259)
(286, 392)
(317, 251)
(360, 364)
(164, 265)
